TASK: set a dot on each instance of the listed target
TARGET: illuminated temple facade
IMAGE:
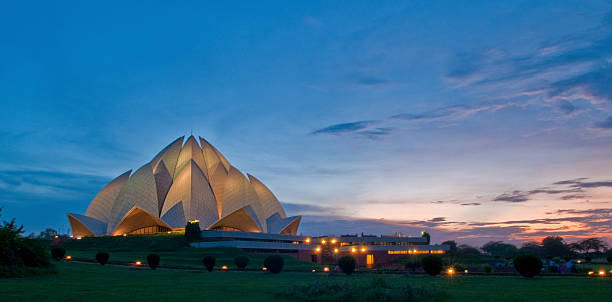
(184, 182)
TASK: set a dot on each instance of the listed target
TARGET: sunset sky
(473, 120)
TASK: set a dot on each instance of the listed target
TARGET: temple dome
(184, 182)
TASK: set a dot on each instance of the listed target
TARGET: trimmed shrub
(347, 264)
(102, 257)
(274, 263)
(209, 262)
(528, 265)
(58, 253)
(487, 268)
(241, 261)
(432, 264)
(153, 260)
(588, 259)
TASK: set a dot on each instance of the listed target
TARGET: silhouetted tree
(48, 233)
(554, 246)
(465, 250)
(532, 248)
(499, 249)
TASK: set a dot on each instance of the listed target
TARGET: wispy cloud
(574, 67)
(343, 128)
(606, 124)
(371, 129)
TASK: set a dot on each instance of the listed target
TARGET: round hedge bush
(588, 259)
(153, 260)
(58, 253)
(102, 258)
(432, 264)
(528, 265)
(347, 264)
(241, 261)
(274, 263)
(209, 262)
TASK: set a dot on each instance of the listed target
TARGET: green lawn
(92, 282)
(172, 249)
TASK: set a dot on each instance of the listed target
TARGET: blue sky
(477, 121)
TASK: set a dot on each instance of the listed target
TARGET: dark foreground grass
(92, 282)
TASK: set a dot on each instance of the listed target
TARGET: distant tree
(554, 246)
(192, 231)
(576, 248)
(48, 233)
(347, 264)
(153, 260)
(432, 264)
(209, 262)
(499, 249)
(17, 251)
(528, 265)
(102, 258)
(453, 246)
(467, 251)
(592, 245)
(532, 248)
(426, 235)
(241, 261)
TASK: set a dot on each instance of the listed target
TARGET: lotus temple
(182, 183)
(191, 181)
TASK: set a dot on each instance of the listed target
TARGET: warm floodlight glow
(326, 269)
(224, 267)
(307, 240)
(602, 273)
(323, 241)
(590, 273)
(79, 238)
(169, 232)
(313, 271)
(363, 249)
(55, 236)
(333, 241)
(138, 262)
(318, 249)
(264, 268)
(579, 261)
(336, 251)
(353, 250)
(71, 236)
(465, 271)
(124, 235)
(451, 271)
(68, 257)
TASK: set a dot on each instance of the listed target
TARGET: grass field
(92, 282)
(173, 251)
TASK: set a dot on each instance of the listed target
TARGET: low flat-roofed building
(368, 250)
